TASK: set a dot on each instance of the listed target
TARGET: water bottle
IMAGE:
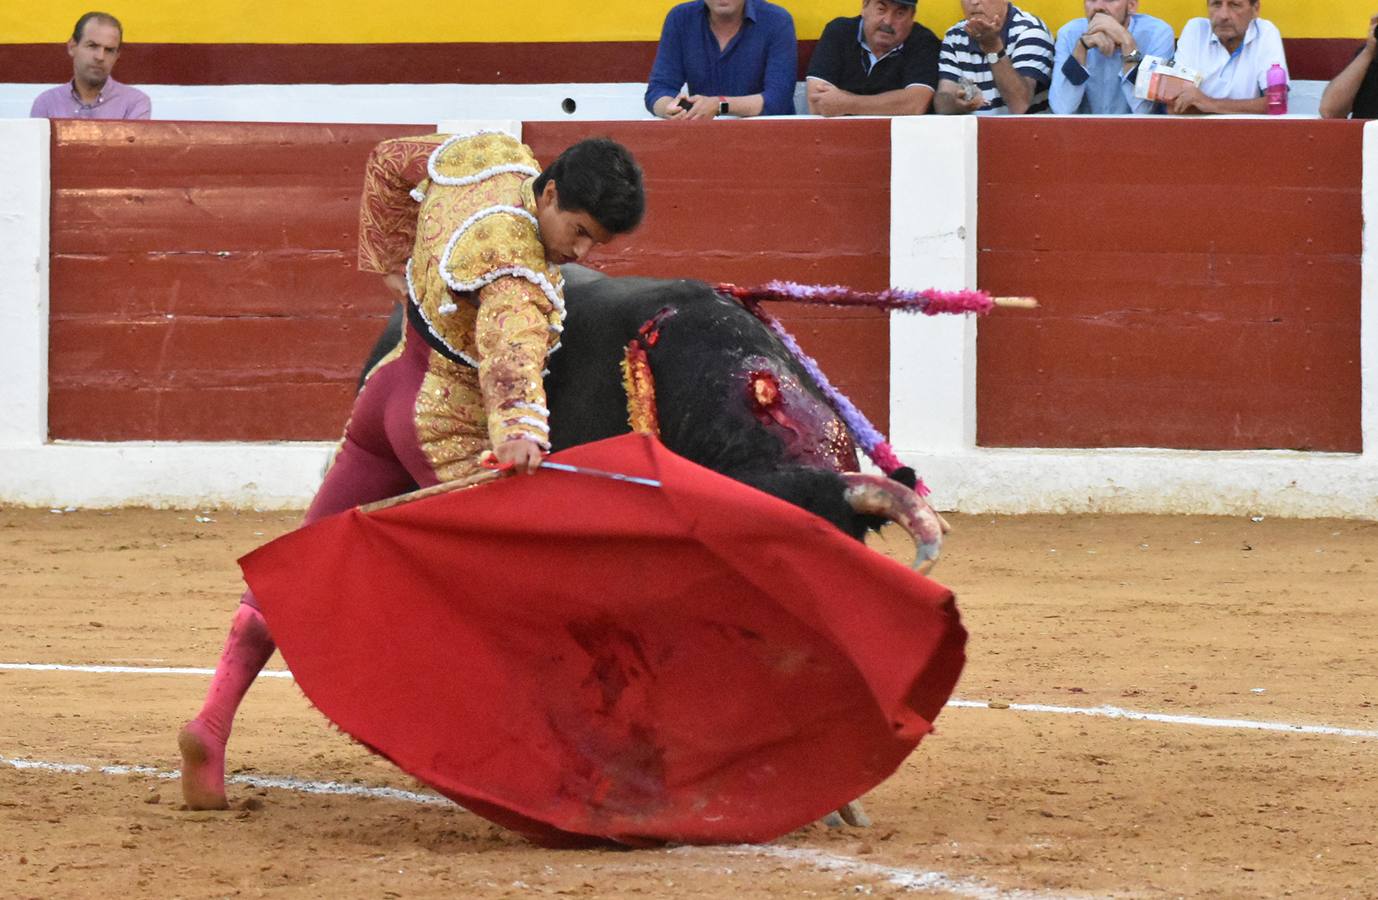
(1277, 91)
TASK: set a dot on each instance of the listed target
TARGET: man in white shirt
(1233, 49)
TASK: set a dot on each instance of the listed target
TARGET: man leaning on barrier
(738, 58)
(92, 93)
(1098, 58)
(1233, 50)
(998, 60)
(1354, 92)
(880, 63)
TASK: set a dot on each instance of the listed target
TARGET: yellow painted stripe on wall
(500, 21)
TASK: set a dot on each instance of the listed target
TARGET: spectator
(1003, 54)
(880, 63)
(1098, 58)
(738, 57)
(1355, 90)
(92, 93)
(1233, 49)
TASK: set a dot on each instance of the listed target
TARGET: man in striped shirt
(998, 60)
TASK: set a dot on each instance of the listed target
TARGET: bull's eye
(764, 389)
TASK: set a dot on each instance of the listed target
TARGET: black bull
(711, 360)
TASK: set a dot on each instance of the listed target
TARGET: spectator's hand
(1371, 42)
(1099, 40)
(703, 107)
(522, 455)
(1189, 100)
(672, 109)
(1104, 24)
(827, 99)
(968, 106)
(396, 284)
(984, 31)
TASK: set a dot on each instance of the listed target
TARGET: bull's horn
(876, 495)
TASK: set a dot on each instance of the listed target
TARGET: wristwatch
(993, 58)
(722, 107)
(1134, 57)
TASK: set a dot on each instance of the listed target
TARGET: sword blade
(599, 473)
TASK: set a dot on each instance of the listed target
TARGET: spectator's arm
(1069, 70)
(141, 109)
(1018, 90)
(667, 72)
(948, 101)
(782, 68)
(827, 100)
(754, 105)
(1158, 42)
(1192, 101)
(1338, 100)
(1027, 66)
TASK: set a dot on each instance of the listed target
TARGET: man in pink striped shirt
(92, 93)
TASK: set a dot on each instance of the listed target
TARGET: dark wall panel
(1199, 282)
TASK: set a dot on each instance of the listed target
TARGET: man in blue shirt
(738, 58)
(1097, 59)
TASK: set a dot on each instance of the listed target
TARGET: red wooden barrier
(1199, 281)
(203, 280)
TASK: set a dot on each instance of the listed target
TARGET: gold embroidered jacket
(480, 287)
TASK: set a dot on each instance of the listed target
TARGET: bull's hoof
(203, 768)
(848, 814)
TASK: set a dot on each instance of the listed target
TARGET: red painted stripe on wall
(1199, 281)
(519, 63)
(203, 280)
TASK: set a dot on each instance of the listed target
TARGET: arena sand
(1267, 621)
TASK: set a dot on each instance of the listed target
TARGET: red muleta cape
(586, 660)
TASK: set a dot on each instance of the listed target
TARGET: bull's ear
(905, 476)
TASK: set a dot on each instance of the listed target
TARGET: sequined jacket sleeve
(387, 212)
(512, 337)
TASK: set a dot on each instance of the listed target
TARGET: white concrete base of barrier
(1265, 483)
(162, 475)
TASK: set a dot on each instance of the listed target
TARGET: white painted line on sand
(906, 879)
(128, 670)
(1104, 712)
(1114, 712)
(259, 781)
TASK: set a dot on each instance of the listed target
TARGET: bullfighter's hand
(396, 284)
(522, 455)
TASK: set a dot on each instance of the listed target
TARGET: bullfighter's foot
(203, 767)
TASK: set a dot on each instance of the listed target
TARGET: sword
(598, 473)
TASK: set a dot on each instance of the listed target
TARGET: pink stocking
(202, 740)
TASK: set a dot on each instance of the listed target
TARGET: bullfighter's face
(567, 235)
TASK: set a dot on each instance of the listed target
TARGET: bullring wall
(1201, 345)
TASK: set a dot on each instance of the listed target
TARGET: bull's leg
(202, 740)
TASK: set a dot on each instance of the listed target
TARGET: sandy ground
(1267, 622)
